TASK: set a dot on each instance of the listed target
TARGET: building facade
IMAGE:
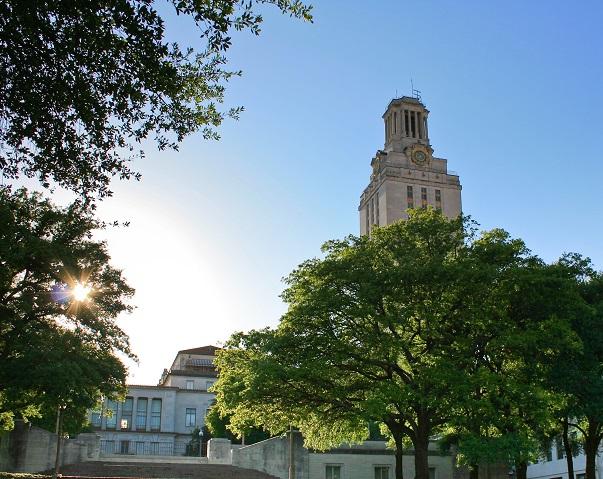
(160, 420)
(554, 464)
(405, 174)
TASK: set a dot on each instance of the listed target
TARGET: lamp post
(200, 442)
(57, 460)
(291, 454)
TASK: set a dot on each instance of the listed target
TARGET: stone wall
(219, 451)
(29, 448)
(272, 457)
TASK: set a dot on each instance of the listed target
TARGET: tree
(218, 426)
(579, 376)
(83, 82)
(381, 329)
(510, 408)
(67, 346)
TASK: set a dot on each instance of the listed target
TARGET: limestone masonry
(405, 173)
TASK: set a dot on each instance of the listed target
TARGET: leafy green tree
(83, 82)
(509, 409)
(381, 329)
(219, 426)
(67, 347)
(579, 376)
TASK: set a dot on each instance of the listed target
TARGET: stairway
(108, 470)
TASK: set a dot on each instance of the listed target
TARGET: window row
(190, 384)
(113, 408)
(334, 471)
(410, 198)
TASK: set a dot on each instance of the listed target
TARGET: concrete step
(160, 470)
(153, 459)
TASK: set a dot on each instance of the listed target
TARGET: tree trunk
(474, 471)
(396, 431)
(421, 444)
(569, 457)
(591, 446)
(399, 456)
(521, 470)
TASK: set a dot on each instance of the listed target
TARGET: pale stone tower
(405, 173)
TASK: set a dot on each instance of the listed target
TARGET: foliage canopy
(68, 348)
(82, 82)
(399, 327)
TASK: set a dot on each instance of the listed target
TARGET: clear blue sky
(515, 91)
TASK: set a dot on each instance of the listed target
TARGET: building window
(126, 413)
(190, 384)
(154, 448)
(141, 413)
(96, 418)
(438, 200)
(381, 472)
(333, 471)
(412, 124)
(377, 209)
(549, 454)
(108, 447)
(367, 225)
(406, 123)
(395, 122)
(190, 418)
(140, 448)
(373, 210)
(111, 414)
(432, 473)
(155, 414)
(410, 202)
(423, 197)
(559, 447)
(124, 447)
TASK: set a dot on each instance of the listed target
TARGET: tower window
(423, 197)
(367, 221)
(413, 125)
(438, 200)
(419, 128)
(406, 123)
(395, 122)
(377, 209)
(410, 202)
(372, 210)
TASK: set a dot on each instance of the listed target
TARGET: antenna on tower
(416, 94)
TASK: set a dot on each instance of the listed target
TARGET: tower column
(426, 130)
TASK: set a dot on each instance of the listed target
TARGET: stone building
(405, 174)
(160, 420)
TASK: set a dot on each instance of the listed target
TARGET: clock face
(419, 157)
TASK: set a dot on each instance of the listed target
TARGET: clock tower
(405, 173)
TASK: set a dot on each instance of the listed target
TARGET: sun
(80, 292)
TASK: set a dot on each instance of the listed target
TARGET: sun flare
(80, 292)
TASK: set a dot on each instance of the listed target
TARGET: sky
(515, 91)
